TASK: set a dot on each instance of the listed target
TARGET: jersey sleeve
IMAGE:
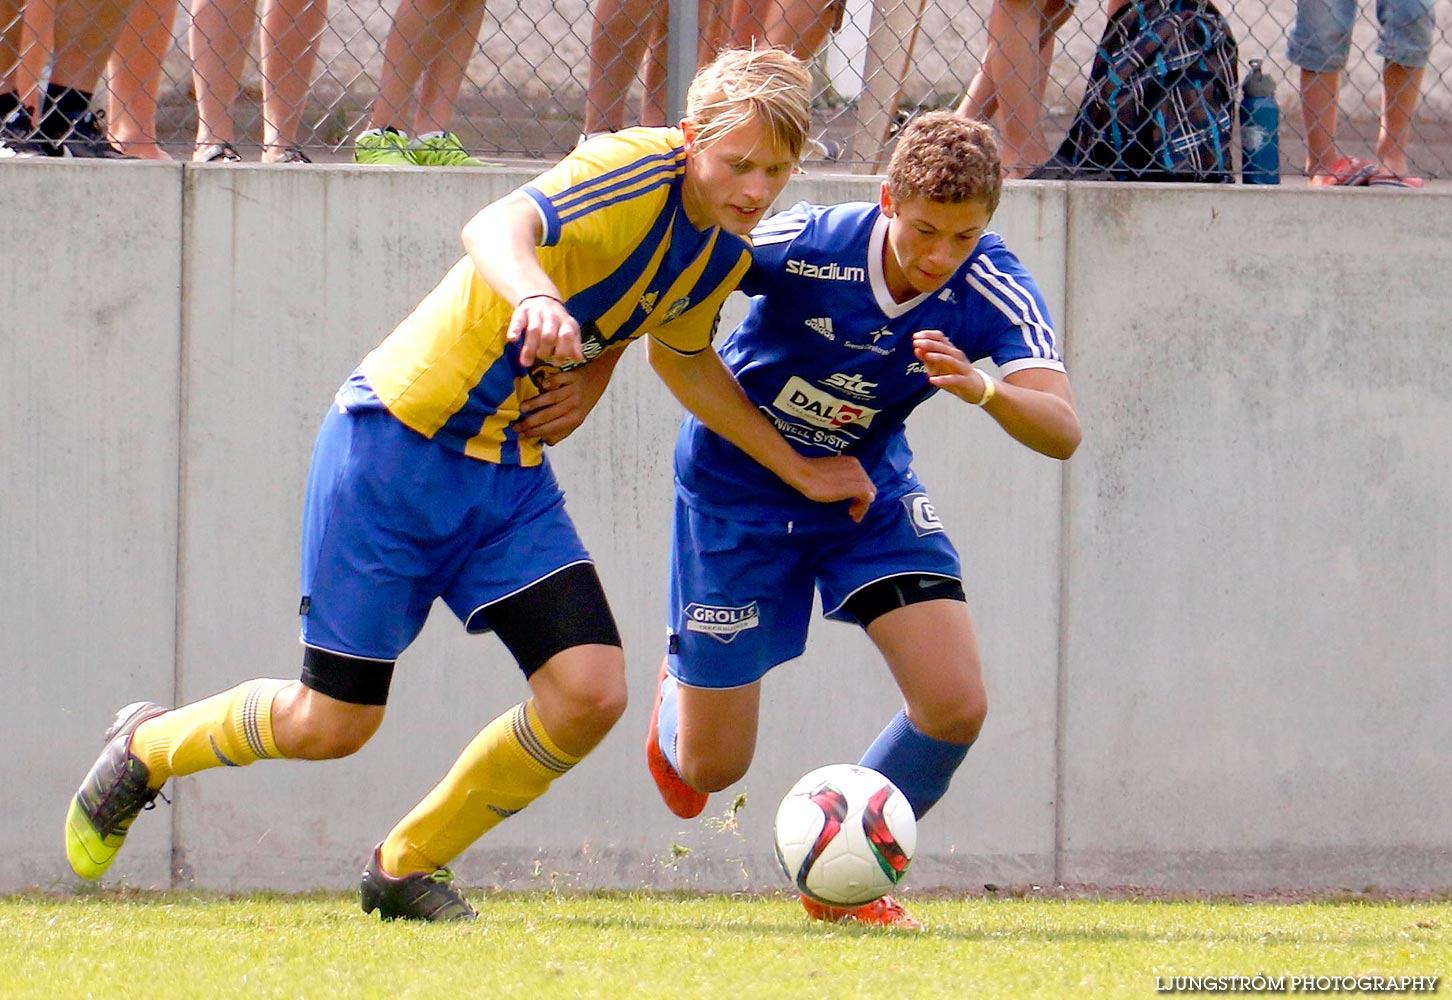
(771, 241)
(1013, 322)
(582, 198)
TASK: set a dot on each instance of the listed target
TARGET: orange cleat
(884, 912)
(683, 800)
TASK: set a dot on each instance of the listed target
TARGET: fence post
(890, 43)
(683, 29)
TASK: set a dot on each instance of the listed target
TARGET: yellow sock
(505, 768)
(231, 729)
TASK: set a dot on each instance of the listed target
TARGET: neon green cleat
(443, 149)
(386, 147)
(112, 796)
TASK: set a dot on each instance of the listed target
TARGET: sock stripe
(530, 741)
(226, 761)
(251, 725)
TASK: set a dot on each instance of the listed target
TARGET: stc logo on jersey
(830, 271)
(852, 385)
(723, 623)
(821, 409)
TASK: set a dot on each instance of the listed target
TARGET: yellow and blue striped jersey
(628, 263)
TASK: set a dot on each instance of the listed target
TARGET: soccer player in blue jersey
(429, 479)
(862, 311)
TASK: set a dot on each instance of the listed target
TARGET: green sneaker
(421, 896)
(443, 149)
(113, 794)
(386, 147)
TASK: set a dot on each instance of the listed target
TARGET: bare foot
(143, 148)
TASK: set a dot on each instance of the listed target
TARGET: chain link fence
(523, 70)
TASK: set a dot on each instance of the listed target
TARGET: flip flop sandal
(1385, 178)
(1346, 172)
(220, 152)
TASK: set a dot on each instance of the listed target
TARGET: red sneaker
(884, 912)
(683, 800)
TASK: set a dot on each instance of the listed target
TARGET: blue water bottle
(1260, 129)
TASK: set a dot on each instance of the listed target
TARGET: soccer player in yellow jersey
(436, 439)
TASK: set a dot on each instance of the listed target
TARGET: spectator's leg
(713, 28)
(980, 100)
(1401, 89)
(411, 43)
(745, 20)
(1408, 28)
(288, 53)
(714, 21)
(655, 77)
(218, 38)
(458, 29)
(36, 44)
(1320, 97)
(1320, 41)
(617, 43)
(11, 12)
(1013, 32)
(799, 26)
(133, 78)
(86, 33)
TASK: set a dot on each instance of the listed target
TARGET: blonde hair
(944, 158)
(740, 85)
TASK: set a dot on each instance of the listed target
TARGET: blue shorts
(1320, 38)
(394, 521)
(741, 591)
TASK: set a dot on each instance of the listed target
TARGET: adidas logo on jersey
(948, 296)
(823, 325)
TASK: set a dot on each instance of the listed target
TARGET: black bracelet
(539, 295)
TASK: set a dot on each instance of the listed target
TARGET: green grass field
(115, 945)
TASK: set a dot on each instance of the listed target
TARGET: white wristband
(990, 388)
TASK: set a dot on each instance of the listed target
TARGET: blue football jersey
(827, 354)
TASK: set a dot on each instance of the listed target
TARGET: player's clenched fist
(948, 368)
(545, 331)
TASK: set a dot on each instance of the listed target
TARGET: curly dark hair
(942, 157)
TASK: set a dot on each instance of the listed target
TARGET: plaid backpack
(1160, 99)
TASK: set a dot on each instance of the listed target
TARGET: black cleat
(17, 136)
(421, 896)
(81, 136)
(112, 795)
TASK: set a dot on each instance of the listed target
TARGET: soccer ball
(845, 835)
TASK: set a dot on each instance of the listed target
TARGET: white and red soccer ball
(845, 835)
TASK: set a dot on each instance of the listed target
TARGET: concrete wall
(1216, 639)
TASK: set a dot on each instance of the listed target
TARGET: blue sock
(917, 764)
(669, 721)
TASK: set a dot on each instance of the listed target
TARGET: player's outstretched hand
(545, 330)
(839, 477)
(948, 367)
(565, 400)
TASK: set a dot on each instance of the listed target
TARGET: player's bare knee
(958, 721)
(331, 735)
(310, 725)
(585, 701)
(602, 702)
